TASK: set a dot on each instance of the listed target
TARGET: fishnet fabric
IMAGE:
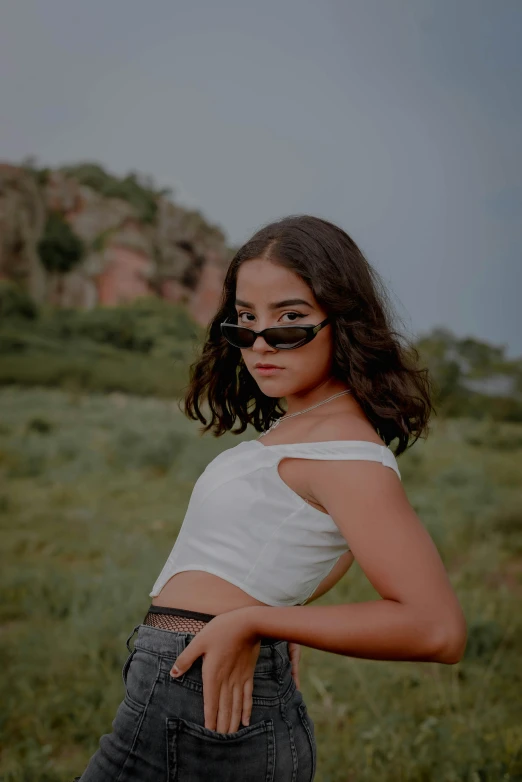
(179, 624)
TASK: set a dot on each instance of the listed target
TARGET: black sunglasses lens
(239, 337)
(286, 337)
(277, 338)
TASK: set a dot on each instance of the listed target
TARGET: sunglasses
(280, 337)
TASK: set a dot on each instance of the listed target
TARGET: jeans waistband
(265, 641)
(170, 643)
(180, 612)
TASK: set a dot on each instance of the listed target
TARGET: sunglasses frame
(311, 332)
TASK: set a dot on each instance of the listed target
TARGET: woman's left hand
(230, 647)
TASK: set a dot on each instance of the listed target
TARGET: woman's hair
(382, 374)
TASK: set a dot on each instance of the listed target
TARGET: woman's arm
(418, 617)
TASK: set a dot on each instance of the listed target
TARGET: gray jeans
(159, 733)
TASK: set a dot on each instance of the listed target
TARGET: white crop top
(246, 525)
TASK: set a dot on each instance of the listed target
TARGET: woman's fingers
(247, 701)
(237, 705)
(225, 709)
(211, 697)
(185, 659)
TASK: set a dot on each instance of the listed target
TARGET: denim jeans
(159, 734)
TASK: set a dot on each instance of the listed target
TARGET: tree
(60, 249)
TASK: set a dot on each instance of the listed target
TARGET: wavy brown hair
(378, 365)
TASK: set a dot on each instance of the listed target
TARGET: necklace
(284, 417)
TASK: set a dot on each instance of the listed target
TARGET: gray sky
(400, 120)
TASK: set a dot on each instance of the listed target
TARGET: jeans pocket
(310, 731)
(196, 752)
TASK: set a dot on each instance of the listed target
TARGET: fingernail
(175, 672)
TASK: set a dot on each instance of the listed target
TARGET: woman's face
(261, 288)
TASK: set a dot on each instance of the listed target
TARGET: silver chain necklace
(290, 415)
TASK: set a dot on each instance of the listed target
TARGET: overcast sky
(400, 120)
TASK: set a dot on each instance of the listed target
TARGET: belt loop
(130, 636)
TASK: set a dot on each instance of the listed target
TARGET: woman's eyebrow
(275, 305)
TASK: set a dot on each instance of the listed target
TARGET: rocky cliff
(137, 241)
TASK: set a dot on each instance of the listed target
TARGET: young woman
(212, 683)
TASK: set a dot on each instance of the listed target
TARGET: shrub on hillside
(145, 326)
(144, 348)
(60, 249)
(15, 302)
(138, 191)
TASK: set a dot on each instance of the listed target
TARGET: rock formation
(175, 254)
(22, 218)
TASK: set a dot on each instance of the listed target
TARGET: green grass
(93, 491)
(144, 348)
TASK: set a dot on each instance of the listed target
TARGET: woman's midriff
(197, 590)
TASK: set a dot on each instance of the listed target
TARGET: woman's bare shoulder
(348, 426)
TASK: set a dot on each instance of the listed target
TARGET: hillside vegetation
(143, 348)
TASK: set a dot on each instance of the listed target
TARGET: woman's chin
(271, 386)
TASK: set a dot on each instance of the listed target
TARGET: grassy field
(93, 492)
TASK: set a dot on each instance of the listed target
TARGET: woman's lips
(266, 371)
